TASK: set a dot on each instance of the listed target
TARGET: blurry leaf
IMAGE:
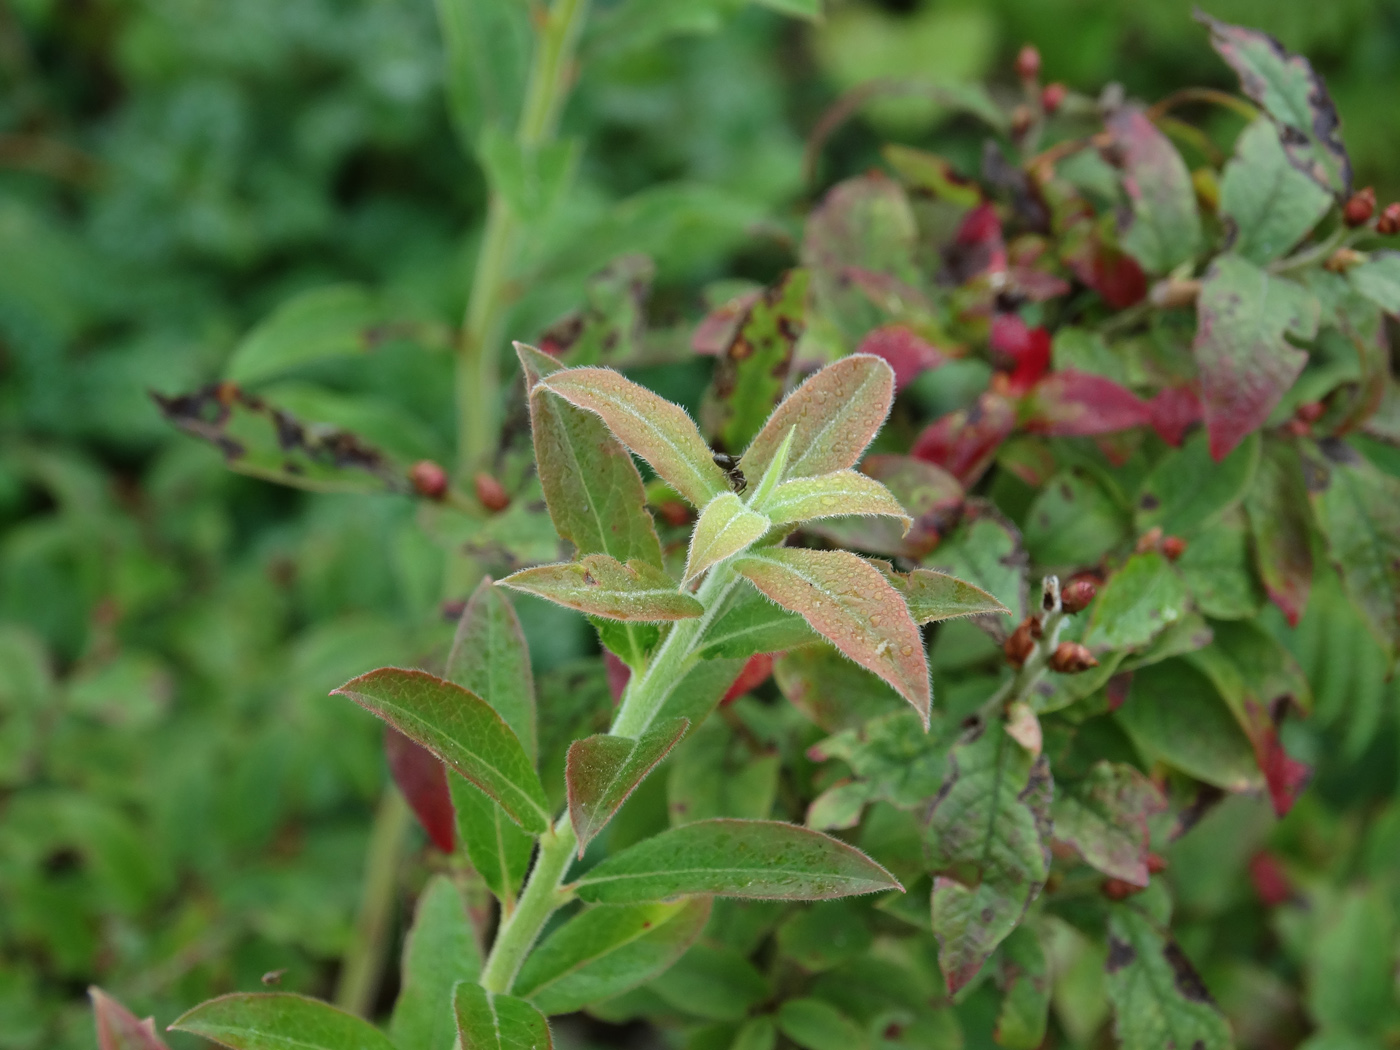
(608, 949)
(894, 755)
(935, 596)
(1104, 817)
(725, 528)
(1186, 491)
(746, 623)
(635, 24)
(439, 951)
(904, 350)
(815, 1025)
(986, 551)
(118, 1028)
(1272, 204)
(1293, 95)
(1166, 228)
(460, 728)
(850, 603)
(965, 441)
(279, 1021)
(334, 321)
(530, 179)
(611, 325)
(1074, 521)
(1218, 570)
(808, 9)
(1378, 279)
(735, 858)
(1246, 364)
(830, 690)
(498, 848)
(1158, 999)
(928, 493)
(717, 773)
(933, 174)
(842, 492)
(1025, 980)
(421, 777)
(713, 983)
(1074, 404)
(490, 658)
(602, 586)
(488, 45)
(987, 842)
(825, 935)
(1140, 599)
(1350, 982)
(604, 770)
(496, 1021)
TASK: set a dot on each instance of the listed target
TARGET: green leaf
(1025, 979)
(895, 757)
(932, 174)
(280, 1021)
(591, 486)
(735, 858)
(634, 24)
(1104, 817)
(530, 180)
(987, 841)
(488, 45)
(816, 1025)
(609, 949)
(602, 586)
(848, 601)
(834, 415)
(490, 658)
(838, 494)
(1139, 601)
(1293, 95)
(325, 322)
(986, 551)
(1158, 999)
(935, 596)
(746, 623)
(602, 771)
(716, 983)
(694, 694)
(758, 1033)
(497, 848)
(440, 950)
(1350, 962)
(1074, 521)
(808, 9)
(1187, 491)
(725, 528)
(1218, 570)
(1282, 527)
(461, 729)
(658, 431)
(751, 374)
(832, 692)
(495, 1021)
(1272, 204)
(118, 1028)
(1166, 228)
(717, 773)
(1246, 364)
(1378, 279)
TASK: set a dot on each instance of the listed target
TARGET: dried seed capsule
(1020, 645)
(1078, 595)
(1072, 658)
(428, 479)
(1359, 207)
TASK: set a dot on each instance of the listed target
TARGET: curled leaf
(725, 528)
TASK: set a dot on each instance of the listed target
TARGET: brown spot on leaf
(1120, 954)
(1184, 975)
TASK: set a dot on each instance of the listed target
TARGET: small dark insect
(273, 976)
(730, 466)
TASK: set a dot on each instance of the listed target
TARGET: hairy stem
(542, 897)
(363, 963)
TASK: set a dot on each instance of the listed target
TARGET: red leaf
(964, 442)
(1035, 285)
(1026, 349)
(1172, 412)
(618, 674)
(1270, 881)
(1114, 274)
(978, 247)
(751, 676)
(1286, 777)
(423, 780)
(1077, 404)
(904, 350)
(717, 329)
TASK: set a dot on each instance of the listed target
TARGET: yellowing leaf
(603, 586)
(837, 494)
(725, 528)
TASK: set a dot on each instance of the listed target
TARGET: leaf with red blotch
(717, 328)
(965, 442)
(420, 776)
(1246, 363)
(603, 586)
(1282, 527)
(1173, 411)
(1108, 270)
(978, 247)
(754, 674)
(619, 674)
(904, 350)
(602, 771)
(1025, 349)
(1104, 817)
(1166, 227)
(118, 1028)
(1078, 404)
(848, 601)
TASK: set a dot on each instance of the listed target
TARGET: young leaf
(1025, 980)
(461, 729)
(848, 601)
(840, 493)
(421, 777)
(1272, 204)
(1378, 279)
(735, 858)
(602, 771)
(746, 623)
(497, 847)
(987, 551)
(608, 949)
(725, 528)
(1158, 999)
(591, 486)
(658, 431)
(935, 596)
(833, 417)
(280, 1021)
(1104, 817)
(118, 1028)
(487, 44)
(1281, 525)
(1166, 228)
(490, 658)
(987, 844)
(602, 586)
(495, 1021)
(440, 950)
(928, 493)
(1137, 603)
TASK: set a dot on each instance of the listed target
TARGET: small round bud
(1077, 595)
(1389, 222)
(491, 493)
(1021, 120)
(1028, 63)
(1052, 97)
(1156, 864)
(1173, 547)
(1342, 260)
(1119, 889)
(1359, 208)
(1020, 645)
(1071, 658)
(428, 479)
(1310, 411)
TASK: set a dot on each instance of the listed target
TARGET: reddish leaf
(965, 442)
(1104, 817)
(602, 771)
(1270, 880)
(118, 1028)
(421, 777)
(1114, 274)
(603, 586)
(618, 674)
(1165, 228)
(717, 329)
(978, 247)
(1173, 411)
(1025, 349)
(904, 350)
(1076, 404)
(927, 492)
(754, 674)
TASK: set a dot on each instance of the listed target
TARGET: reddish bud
(1310, 411)
(1077, 596)
(1298, 427)
(1359, 207)
(1052, 97)
(1173, 547)
(1020, 645)
(1118, 889)
(1389, 222)
(1072, 658)
(1150, 540)
(1269, 879)
(491, 493)
(1028, 63)
(1156, 863)
(428, 479)
(675, 513)
(752, 675)
(1021, 120)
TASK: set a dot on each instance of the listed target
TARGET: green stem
(542, 897)
(363, 963)
(1341, 237)
(1021, 685)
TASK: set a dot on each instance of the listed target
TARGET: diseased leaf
(1069, 403)
(118, 1028)
(279, 1021)
(440, 950)
(495, 1021)
(1025, 980)
(1158, 999)
(421, 777)
(609, 949)
(1104, 817)
(1271, 203)
(746, 623)
(833, 417)
(832, 495)
(1165, 228)
(934, 596)
(735, 858)
(658, 431)
(1139, 601)
(1186, 491)
(602, 771)
(1218, 570)
(1281, 524)
(490, 657)
(725, 528)
(986, 839)
(848, 601)
(1378, 279)
(965, 441)
(832, 692)
(894, 756)
(497, 847)
(1246, 364)
(461, 729)
(601, 586)
(987, 552)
